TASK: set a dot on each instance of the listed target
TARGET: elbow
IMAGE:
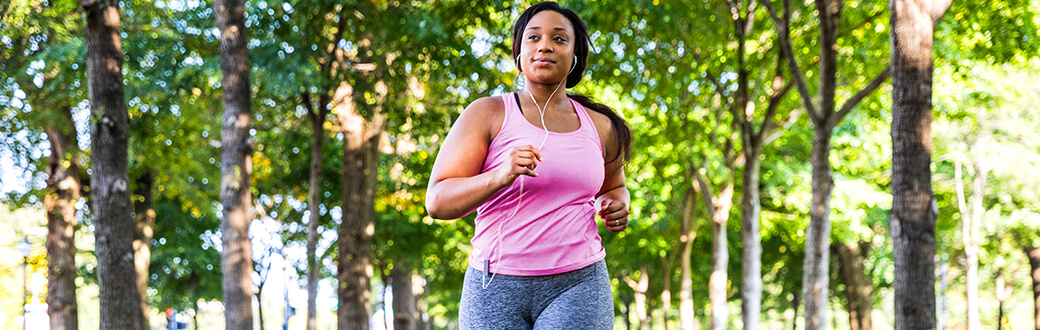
(435, 209)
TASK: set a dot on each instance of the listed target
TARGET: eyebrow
(539, 27)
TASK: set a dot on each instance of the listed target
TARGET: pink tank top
(555, 229)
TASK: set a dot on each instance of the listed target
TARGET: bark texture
(914, 209)
(360, 164)
(109, 182)
(317, 119)
(236, 166)
(144, 223)
(63, 185)
(687, 315)
(859, 288)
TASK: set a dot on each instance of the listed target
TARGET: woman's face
(547, 49)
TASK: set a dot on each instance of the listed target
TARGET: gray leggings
(579, 299)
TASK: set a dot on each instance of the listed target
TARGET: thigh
(499, 306)
(587, 305)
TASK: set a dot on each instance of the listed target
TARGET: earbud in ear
(573, 64)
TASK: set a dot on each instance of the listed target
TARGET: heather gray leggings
(579, 299)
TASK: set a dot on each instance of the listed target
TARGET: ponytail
(621, 131)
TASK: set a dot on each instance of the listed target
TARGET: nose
(545, 46)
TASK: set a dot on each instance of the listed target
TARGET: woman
(538, 167)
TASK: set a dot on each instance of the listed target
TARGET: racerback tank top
(555, 229)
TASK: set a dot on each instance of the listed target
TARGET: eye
(560, 39)
(532, 37)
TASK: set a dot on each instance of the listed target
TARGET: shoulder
(484, 114)
(603, 125)
(484, 108)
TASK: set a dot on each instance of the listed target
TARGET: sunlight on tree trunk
(914, 208)
(63, 183)
(236, 166)
(109, 182)
(144, 223)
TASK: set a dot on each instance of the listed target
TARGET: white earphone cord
(520, 198)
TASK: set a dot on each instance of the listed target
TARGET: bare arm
(613, 198)
(456, 185)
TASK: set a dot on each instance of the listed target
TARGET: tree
(824, 116)
(109, 181)
(236, 165)
(914, 210)
(144, 225)
(65, 185)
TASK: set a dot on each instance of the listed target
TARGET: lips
(543, 61)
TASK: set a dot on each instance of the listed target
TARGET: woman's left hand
(614, 213)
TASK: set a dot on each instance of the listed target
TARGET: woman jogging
(538, 166)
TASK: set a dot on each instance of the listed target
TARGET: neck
(542, 92)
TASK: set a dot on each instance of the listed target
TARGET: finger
(619, 215)
(605, 204)
(532, 150)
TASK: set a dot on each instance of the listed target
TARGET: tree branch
(796, 73)
(705, 190)
(855, 99)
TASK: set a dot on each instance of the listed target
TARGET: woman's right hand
(522, 161)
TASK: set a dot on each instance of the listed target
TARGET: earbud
(573, 64)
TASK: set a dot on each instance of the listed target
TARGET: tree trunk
(751, 283)
(1033, 252)
(144, 223)
(718, 209)
(236, 166)
(720, 259)
(795, 305)
(405, 313)
(109, 181)
(64, 187)
(859, 289)
(817, 238)
(640, 288)
(313, 201)
(914, 209)
(973, 238)
(260, 304)
(687, 315)
(360, 165)
(626, 302)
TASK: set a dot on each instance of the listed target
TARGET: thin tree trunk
(626, 302)
(419, 292)
(914, 209)
(687, 315)
(718, 209)
(144, 223)
(751, 283)
(317, 119)
(1004, 289)
(859, 289)
(720, 260)
(640, 288)
(404, 300)
(64, 187)
(817, 238)
(236, 166)
(972, 241)
(260, 304)
(1033, 253)
(109, 181)
(360, 164)
(795, 305)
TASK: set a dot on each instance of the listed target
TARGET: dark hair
(581, 52)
